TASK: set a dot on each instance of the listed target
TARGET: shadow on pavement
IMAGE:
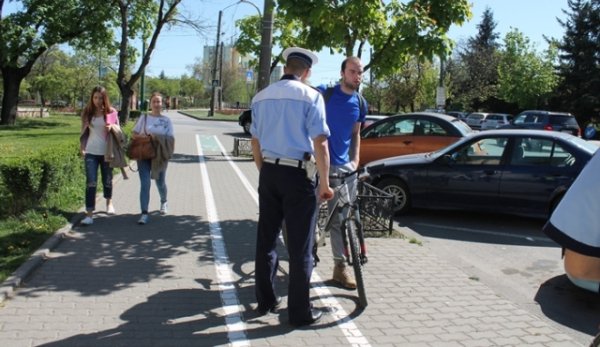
(114, 254)
(476, 227)
(569, 305)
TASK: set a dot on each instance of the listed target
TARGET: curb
(14, 281)
(9, 286)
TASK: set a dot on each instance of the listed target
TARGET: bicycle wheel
(351, 231)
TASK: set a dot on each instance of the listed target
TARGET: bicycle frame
(346, 209)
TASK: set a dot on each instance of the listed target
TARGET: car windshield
(463, 127)
(526, 118)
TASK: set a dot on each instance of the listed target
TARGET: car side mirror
(372, 135)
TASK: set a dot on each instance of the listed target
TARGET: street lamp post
(264, 64)
(266, 43)
(214, 82)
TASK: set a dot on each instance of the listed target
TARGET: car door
(469, 176)
(388, 139)
(404, 135)
(536, 168)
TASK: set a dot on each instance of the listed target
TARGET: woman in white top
(160, 128)
(97, 119)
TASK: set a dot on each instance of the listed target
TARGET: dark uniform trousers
(285, 194)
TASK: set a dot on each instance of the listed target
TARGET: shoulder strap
(361, 104)
(144, 125)
(327, 94)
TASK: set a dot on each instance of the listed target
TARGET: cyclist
(346, 110)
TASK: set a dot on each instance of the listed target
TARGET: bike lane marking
(353, 335)
(236, 328)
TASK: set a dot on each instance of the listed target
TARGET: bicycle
(377, 206)
(348, 210)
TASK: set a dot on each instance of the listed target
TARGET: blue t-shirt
(342, 111)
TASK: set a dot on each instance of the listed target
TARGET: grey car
(496, 120)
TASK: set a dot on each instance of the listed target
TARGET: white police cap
(305, 55)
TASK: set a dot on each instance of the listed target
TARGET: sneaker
(87, 221)
(164, 208)
(342, 274)
(143, 219)
(110, 209)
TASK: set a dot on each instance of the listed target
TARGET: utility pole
(440, 98)
(143, 105)
(215, 82)
(266, 43)
(220, 90)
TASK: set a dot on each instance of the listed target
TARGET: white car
(475, 119)
(496, 120)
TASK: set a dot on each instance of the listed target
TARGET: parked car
(546, 120)
(482, 173)
(409, 133)
(496, 120)
(245, 120)
(458, 114)
(372, 118)
(475, 119)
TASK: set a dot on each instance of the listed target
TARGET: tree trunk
(11, 82)
(126, 93)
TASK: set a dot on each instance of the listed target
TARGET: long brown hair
(90, 109)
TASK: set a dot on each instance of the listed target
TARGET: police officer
(288, 127)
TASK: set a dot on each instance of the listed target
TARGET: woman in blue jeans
(97, 119)
(161, 129)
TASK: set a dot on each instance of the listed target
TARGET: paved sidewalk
(117, 283)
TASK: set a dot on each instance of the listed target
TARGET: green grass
(22, 235)
(31, 134)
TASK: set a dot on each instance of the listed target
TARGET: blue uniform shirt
(343, 112)
(286, 116)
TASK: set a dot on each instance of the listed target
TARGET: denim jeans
(144, 168)
(92, 162)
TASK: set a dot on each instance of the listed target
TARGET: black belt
(285, 162)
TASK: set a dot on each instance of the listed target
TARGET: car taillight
(548, 127)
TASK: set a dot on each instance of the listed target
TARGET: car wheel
(246, 126)
(399, 190)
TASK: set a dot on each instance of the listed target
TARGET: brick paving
(116, 283)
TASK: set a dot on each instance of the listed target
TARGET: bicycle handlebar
(341, 175)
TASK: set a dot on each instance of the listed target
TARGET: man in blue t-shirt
(345, 112)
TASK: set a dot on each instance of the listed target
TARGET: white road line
(485, 232)
(353, 335)
(236, 328)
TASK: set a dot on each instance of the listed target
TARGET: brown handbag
(141, 147)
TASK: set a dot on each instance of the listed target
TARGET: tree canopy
(579, 59)
(38, 25)
(395, 30)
